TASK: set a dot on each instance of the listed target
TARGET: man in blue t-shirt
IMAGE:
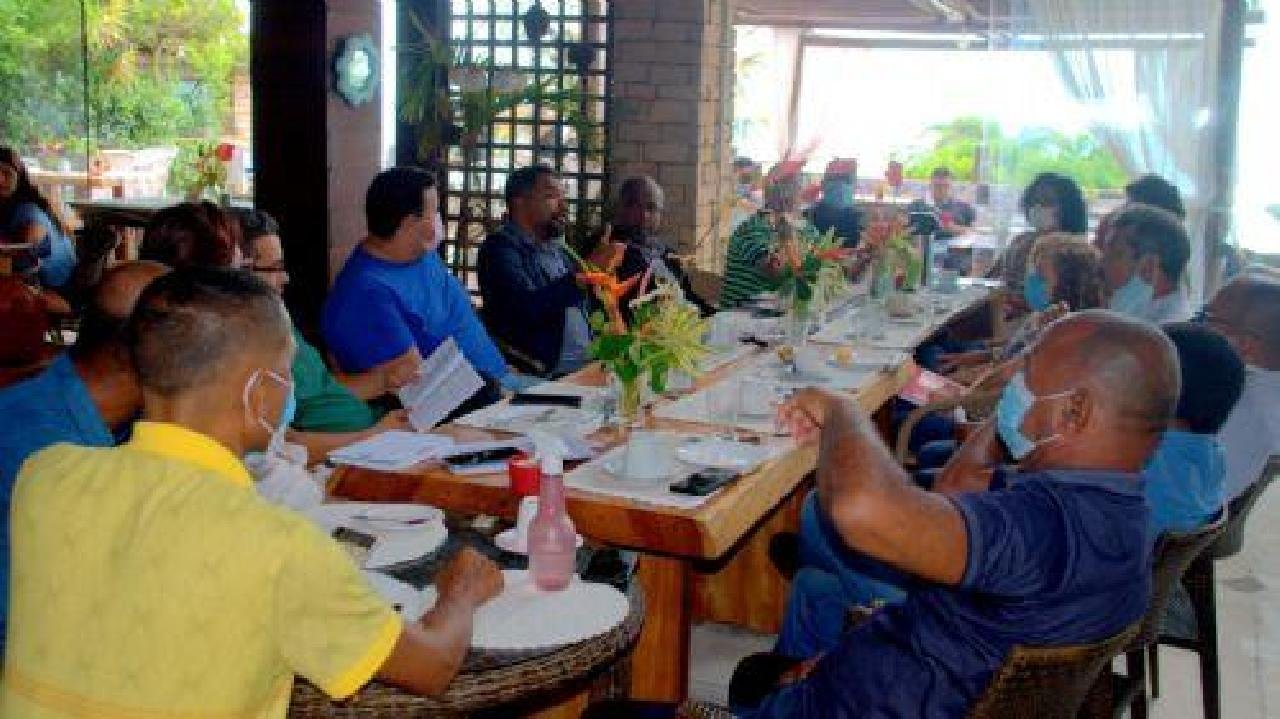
(81, 398)
(1054, 554)
(395, 298)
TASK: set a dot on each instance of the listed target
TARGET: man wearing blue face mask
(1055, 553)
(836, 211)
(1145, 259)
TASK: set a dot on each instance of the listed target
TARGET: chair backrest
(974, 403)
(1232, 538)
(1048, 682)
(1174, 552)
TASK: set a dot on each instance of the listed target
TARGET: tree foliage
(1020, 157)
(157, 69)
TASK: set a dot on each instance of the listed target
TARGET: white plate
(524, 617)
(616, 466)
(374, 516)
(507, 542)
(722, 454)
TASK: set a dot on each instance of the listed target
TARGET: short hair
(191, 234)
(1078, 266)
(940, 172)
(633, 188)
(255, 224)
(521, 182)
(1150, 230)
(1073, 213)
(1212, 376)
(191, 322)
(1156, 191)
(393, 195)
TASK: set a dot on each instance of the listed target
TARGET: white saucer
(722, 454)
(616, 466)
(506, 541)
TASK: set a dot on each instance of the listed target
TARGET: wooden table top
(705, 532)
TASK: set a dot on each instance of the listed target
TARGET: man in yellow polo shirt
(150, 580)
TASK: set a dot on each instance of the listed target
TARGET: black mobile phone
(560, 400)
(700, 484)
(484, 456)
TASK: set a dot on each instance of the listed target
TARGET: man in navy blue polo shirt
(1054, 554)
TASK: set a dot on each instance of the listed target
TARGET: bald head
(1247, 312)
(111, 303)
(1119, 382)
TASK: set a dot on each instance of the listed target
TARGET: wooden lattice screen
(571, 136)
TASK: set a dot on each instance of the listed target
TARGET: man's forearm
(430, 653)
(853, 458)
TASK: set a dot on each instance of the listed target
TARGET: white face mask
(1043, 217)
(437, 232)
(277, 430)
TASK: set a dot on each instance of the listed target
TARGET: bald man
(637, 220)
(1247, 312)
(83, 397)
(1054, 554)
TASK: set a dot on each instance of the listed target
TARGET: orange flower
(610, 291)
(834, 254)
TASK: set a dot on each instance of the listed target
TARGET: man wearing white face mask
(149, 579)
(1147, 250)
(395, 298)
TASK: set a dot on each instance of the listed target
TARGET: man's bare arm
(875, 507)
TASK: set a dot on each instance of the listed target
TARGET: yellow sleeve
(332, 628)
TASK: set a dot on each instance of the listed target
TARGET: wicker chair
(1199, 582)
(1174, 552)
(1048, 682)
(974, 403)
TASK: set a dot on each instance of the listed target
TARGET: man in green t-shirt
(750, 265)
(330, 407)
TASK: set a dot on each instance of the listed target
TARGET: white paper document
(392, 450)
(445, 380)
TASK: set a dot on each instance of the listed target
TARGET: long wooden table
(705, 564)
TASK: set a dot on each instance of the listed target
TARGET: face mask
(1036, 292)
(1015, 402)
(286, 414)
(1133, 298)
(1043, 217)
(437, 232)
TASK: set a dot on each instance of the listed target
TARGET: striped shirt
(743, 276)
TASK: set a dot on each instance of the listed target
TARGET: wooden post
(1226, 126)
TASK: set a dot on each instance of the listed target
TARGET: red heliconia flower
(225, 151)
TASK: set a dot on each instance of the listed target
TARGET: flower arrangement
(810, 273)
(897, 254)
(666, 331)
(206, 168)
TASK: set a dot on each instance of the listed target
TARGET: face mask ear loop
(244, 399)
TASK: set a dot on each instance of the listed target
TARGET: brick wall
(673, 75)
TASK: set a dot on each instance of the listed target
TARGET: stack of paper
(393, 450)
(445, 380)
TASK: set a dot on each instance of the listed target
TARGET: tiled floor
(1249, 637)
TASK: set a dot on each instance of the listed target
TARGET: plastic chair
(1174, 552)
(1199, 582)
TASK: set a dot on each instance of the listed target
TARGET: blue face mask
(1133, 298)
(1036, 292)
(1015, 401)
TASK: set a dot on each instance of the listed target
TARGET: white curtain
(1148, 70)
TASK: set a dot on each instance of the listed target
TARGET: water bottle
(553, 541)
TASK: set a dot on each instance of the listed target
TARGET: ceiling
(906, 15)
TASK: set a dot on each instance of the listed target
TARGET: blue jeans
(831, 579)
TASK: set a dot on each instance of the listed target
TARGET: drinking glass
(724, 402)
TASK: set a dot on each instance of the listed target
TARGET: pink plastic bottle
(552, 538)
